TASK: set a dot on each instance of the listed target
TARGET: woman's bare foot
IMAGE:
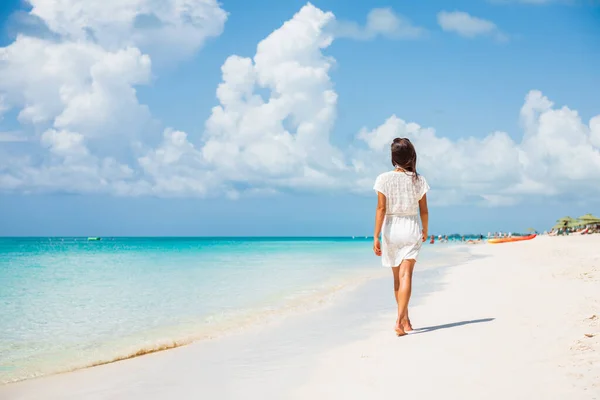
(399, 330)
(406, 325)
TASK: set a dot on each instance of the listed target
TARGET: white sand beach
(518, 321)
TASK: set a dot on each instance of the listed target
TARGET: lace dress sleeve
(380, 186)
(424, 187)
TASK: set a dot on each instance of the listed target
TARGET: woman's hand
(377, 247)
(424, 236)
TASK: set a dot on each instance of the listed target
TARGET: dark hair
(404, 156)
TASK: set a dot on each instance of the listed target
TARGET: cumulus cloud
(469, 26)
(283, 138)
(269, 132)
(73, 86)
(557, 154)
(595, 131)
(65, 143)
(171, 28)
(83, 78)
(380, 22)
(176, 168)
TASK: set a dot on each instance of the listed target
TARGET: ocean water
(68, 303)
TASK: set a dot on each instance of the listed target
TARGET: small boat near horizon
(94, 238)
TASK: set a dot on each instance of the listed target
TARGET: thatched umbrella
(566, 222)
(566, 219)
(588, 219)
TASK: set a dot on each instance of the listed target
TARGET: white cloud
(82, 78)
(170, 28)
(595, 131)
(269, 132)
(11, 137)
(380, 22)
(176, 168)
(469, 26)
(65, 143)
(459, 170)
(557, 154)
(286, 136)
(77, 87)
(70, 168)
(559, 150)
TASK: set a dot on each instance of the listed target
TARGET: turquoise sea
(68, 303)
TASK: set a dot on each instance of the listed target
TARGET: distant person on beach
(401, 198)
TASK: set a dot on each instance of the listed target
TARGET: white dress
(401, 232)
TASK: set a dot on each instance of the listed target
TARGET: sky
(194, 117)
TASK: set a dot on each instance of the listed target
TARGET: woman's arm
(424, 215)
(379, 216)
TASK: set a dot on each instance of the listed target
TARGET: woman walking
(401, 198)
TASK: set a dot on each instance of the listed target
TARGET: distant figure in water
(479, 240)
(401, 198)
(432, 241)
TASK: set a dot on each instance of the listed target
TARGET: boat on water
(511, 239)
(94, 238)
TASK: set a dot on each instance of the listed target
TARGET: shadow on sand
(451, 325)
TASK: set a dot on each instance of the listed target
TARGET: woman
(401, 197)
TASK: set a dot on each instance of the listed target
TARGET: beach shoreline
(491, 320)
(25, 353)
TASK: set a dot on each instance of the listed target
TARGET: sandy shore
(518, 321)
(512, 324)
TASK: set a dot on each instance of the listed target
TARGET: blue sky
(462, 83)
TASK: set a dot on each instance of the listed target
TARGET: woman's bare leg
(405, 271)
(396, 272)
(406, 324)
